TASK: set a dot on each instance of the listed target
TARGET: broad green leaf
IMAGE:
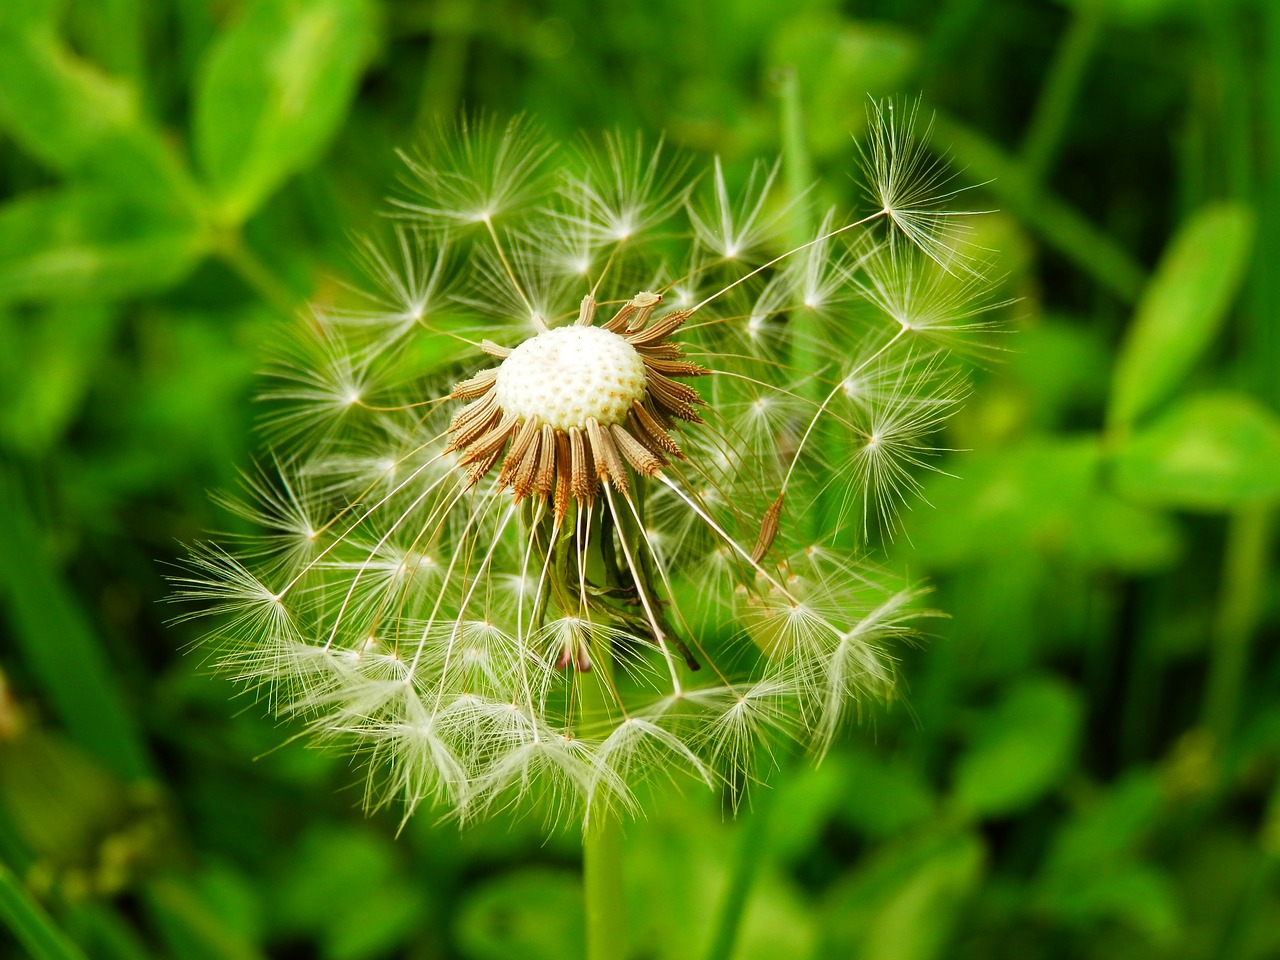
(903, 903)
(532, 914)
(1093, 871)
(1181, 310)
(272, 93)
(85, 243)
(1120, 890)
(59, 646)
(315, 895)
(839, 63)
(112, 32)
(76, 119)
(188, 924)
(47, 361)
(882, 798)
(1111, 825)
(31, 924)
(1045, 497)
(1211, 451)
(1022, 749)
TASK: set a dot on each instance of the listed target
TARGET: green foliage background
(1088, 763)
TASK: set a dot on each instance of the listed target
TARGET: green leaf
(189, 926)
(314, 897)
(87, 243)
(1045, 496)
(903, 904)
(47, 362)
(1093, 871)
(1122, 890)
(1212, 451)
(884, 798)
(532, 914)
(59, 645)
(272, 93)
(30, 924)
(1181, 310)
(1022, 749)
(78, 120)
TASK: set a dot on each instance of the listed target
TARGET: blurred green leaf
(1112, 825)
(1093, 871)
(77, 119)
(1043, 496)
(92, 243)
(32, 926)
(1181, 310)
(531, 914)
(883, 798)
(1021, 750)
(1137, 895)
(60, 801)
(111, 31)
(903, 903)
(191, 929)
(1211, 451)
(59, 645)
(272, 93)
(47, 362)
(316, 893)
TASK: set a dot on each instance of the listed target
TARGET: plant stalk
(1243, 578)
(602, 838)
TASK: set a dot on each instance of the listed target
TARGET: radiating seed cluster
(581, 493)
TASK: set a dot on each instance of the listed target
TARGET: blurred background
(1087, 760)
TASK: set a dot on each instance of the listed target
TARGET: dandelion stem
(1244, 574)
(602, 839)
(755, 833)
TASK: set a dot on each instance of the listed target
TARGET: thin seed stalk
(602, 840)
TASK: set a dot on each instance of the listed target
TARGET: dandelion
(558, 512)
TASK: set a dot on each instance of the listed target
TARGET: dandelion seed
(545, 525)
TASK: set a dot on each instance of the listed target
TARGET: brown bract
(570, 464)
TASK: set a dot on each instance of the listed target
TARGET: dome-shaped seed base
(569, 375)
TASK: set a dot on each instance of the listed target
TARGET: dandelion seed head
(569, 375)
(535, 523)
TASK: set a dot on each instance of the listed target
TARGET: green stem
(1058, 95)
(602, 841)
(255, 274)
(750, 855)
(30, 924)
(1244, 576)
(445, 72)
(1060, 225)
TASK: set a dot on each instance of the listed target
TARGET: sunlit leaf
(76, 118)
(532, 914)
(272, 93)
(903, 903)
(84, 243)
(1181, 310)
(1022, 749)
(1212, 451)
